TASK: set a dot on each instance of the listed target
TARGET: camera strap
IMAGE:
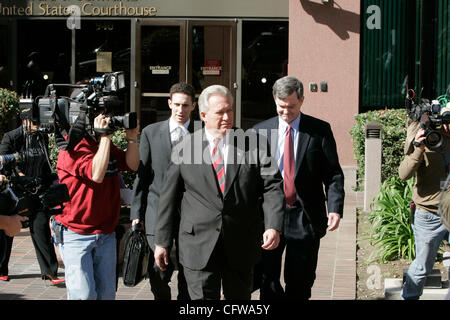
(106, 131)
(76, 133)
(77, 130)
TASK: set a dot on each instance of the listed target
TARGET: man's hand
(101, 157)
(132, 153)
(102, 122)
(271, 238)
(333, 221)
(161, 257)
(420, 136)
(12, 224)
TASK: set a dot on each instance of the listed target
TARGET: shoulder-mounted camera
(70, 118)
(431, 115)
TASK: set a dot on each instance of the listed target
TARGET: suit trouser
(5, 252)
(205, 284)
(300, 265)
(43, 245)
(159, 280)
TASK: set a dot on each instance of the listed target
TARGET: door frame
(186, 26)
(138, 74)
(232, 85)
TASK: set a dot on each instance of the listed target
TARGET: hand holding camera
(418, 140)
(101, 125)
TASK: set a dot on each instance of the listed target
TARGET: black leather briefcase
(136, 256)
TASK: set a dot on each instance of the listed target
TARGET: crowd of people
(220, 207)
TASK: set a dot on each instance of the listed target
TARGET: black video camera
(25, 196)
(71, 117)
(9, 160)
(431, 116)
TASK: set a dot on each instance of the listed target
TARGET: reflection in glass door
(162, 63)
(5, 72)
(207, 57)
(212, 47)
(102, 47)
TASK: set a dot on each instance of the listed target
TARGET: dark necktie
(219, 168)
(288, 167)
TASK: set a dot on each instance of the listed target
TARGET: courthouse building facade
(351, 55)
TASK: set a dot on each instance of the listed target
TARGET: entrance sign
(160, 69)
(212, 68)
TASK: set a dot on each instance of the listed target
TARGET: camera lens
(433, 140)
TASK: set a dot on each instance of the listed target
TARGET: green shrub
(9, 109)
(391, 232)
(118, 139)
(393, 138)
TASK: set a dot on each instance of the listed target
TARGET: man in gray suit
(217, 182)
(156, 145)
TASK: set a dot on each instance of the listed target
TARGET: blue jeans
(90, 265)
(428, 233)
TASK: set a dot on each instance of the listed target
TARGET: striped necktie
(217, 160)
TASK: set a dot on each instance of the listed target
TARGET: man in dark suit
(307, 158)
(218, 182)
(156, 145)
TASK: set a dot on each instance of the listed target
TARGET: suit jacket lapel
(234, 159)
(190, 127)
(303, 141)
(272, 135)
(166, 144)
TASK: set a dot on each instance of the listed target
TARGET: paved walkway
(336, 272)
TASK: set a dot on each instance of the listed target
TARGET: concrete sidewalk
(336, 271)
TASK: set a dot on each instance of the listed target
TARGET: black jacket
(319, 179)
(33, 147)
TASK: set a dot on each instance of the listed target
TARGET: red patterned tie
(219, 168)
(288, 167)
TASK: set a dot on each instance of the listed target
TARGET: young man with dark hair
(157, 140)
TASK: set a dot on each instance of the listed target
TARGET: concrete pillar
(372, 166)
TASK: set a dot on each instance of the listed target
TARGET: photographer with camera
(429, 162)
(32, 145)
(85, 229)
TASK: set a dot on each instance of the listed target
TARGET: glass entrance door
(212, 59)
(160, 63)
(201, 53)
